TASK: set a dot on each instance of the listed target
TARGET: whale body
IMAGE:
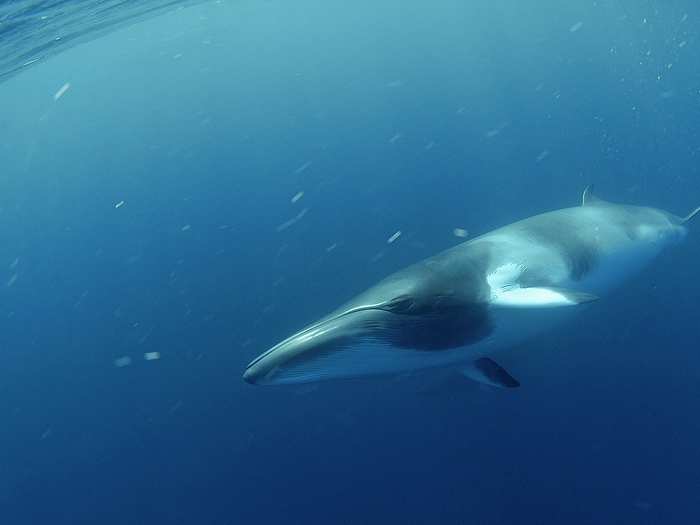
(460, 307)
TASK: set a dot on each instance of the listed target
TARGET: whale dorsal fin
(589, 199)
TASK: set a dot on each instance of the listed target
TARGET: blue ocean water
(179, 192)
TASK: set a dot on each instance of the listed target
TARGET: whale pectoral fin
(540, 297)
(488, 371)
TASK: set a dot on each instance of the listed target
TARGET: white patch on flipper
(506, 291)
(533, 298)
(504, 278)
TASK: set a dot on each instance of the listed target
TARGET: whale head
(407, 321)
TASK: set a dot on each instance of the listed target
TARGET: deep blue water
(146, 184)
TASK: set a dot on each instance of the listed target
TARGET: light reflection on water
(33, 30)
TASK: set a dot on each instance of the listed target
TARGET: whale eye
(403, 304)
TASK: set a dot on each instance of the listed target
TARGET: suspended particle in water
(302, 168)
(61, 91)
(394, 237)
(121, 362)
(292, 221)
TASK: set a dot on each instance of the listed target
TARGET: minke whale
(461, 306)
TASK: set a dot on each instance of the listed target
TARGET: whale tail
(690, 216)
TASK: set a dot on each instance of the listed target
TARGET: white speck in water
(119, 204)
(151, 356)
(14, 263)
(186, 228)
(394, 237)
(460, 232)
(12, 280)
(61, 91)
(642, 505)
(543, 155)
(302, 168)
(298, 196)
(292, 221)
(576, 27)
(377, 256)
(332, 247)
(121, 362)
(492, 133)
(396, 137)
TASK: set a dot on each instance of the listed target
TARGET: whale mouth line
(316, 326)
